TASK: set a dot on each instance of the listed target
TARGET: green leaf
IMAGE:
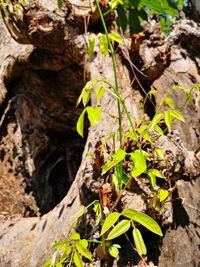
(86, 92)
(132, 135)
(109, 222)
(119, 229)
(114, 3)
(59, 264)
(77, 260)
(156, 119)
(80, 246)
(153, 173)
(160, 152)
(75, 236)
(168, 119)
(163, 194)
(159, 6)
(143, 219)
(59, 3)
(176, 114)
(80, 123)
(138, 157)
(84, 243)
(91, 46)
(60, 246)
(116, 37)
(139, 242)
(169, 102)
(100, 91)
(103, 44)
(109, 166)
(158, 130)
(119, 155)
(47, 263)
(114, 251)
(94, 115)
(152, 180)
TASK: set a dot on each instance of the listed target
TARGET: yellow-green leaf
(116, 37)
(75, 236)
(139, 242)
(138, 157)
(114, 251)
(169, 102)
(119, 155)
(176, 114)
(143, 219)
(163, 194)
(156, 119)
(77, 260)
(83, 250)
(159, 152)
(91, 46)
(168, 119)
(94, 115)
(119, 229)
(109, 222)
(132, 135)
(80, 123)
(103, 44)
(100, 91)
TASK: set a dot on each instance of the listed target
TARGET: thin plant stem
(116, 89)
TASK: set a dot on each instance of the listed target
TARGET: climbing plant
(137, 153)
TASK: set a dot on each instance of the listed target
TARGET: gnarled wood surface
(40, 151)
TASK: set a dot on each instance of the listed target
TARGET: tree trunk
(44, 177)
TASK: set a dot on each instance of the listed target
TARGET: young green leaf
(152, 180)
(60, 246)
(103, 44)
(86, 92)
(176, 114)
(109, 166)
(116, 37)
(143, 219)
(119, 229)
(91, 46)
(138, 157)
(109, 222)
(114, 251)
(80, 246)
(159, 152)
(156, 119)
(139, 242)
(75, 236)
(158, 130)
(59, 264)
(153, 173)
(100, 91)
(77, 260)
(163, 194)
(119, 155)
(169, 102)
(94, 115)
(80, 123)
(168, 119)
(132, 135)
(47, 263)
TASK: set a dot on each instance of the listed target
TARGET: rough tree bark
(40, 152)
